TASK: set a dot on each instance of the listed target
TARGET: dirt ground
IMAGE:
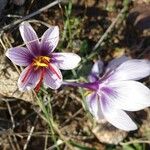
(82, 23)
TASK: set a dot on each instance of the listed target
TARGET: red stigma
(53, 70)
(37, 88)
(27, 73)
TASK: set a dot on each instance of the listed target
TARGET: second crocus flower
(117, 91)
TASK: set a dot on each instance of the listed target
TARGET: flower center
(39, 64)
(41, 61)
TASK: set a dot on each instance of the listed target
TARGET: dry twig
(30, 15)
(109, 30)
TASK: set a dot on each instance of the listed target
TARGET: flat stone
(106, 133)
(8, 82)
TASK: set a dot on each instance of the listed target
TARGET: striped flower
(117, 91)
(41, 63)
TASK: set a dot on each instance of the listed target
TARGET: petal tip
(24, 23)
(7, 53)
(78, 58)
(28, 88)
(67, 61)
(77, 61)
(21, 89)
(132, 127)
(56, 27)
(54, 88)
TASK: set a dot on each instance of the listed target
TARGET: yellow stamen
(87, 93)
(41, 61)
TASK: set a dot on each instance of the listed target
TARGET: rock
(106, 133)
(8, 82)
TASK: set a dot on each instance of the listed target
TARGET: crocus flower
(42, 64)
(117, 91)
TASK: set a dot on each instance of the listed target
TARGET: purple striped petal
(97, 69)
(28, 79)
(132, 70)
(51, 79)
(66, 61)
(19, 56)
(50, 40)
(116, 62)
(93, 104)
(129, 95)
(116, 117)
(30, 38)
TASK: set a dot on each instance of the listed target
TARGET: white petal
(116, 117)
(96, 70)
(97, 67)
(132, 70)
(51, 79)
(50, 39)
(30, 37)
(66, 61)
(130, 95)
(116, 62)
(30, 81)
(93, 104)
(20, 56)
